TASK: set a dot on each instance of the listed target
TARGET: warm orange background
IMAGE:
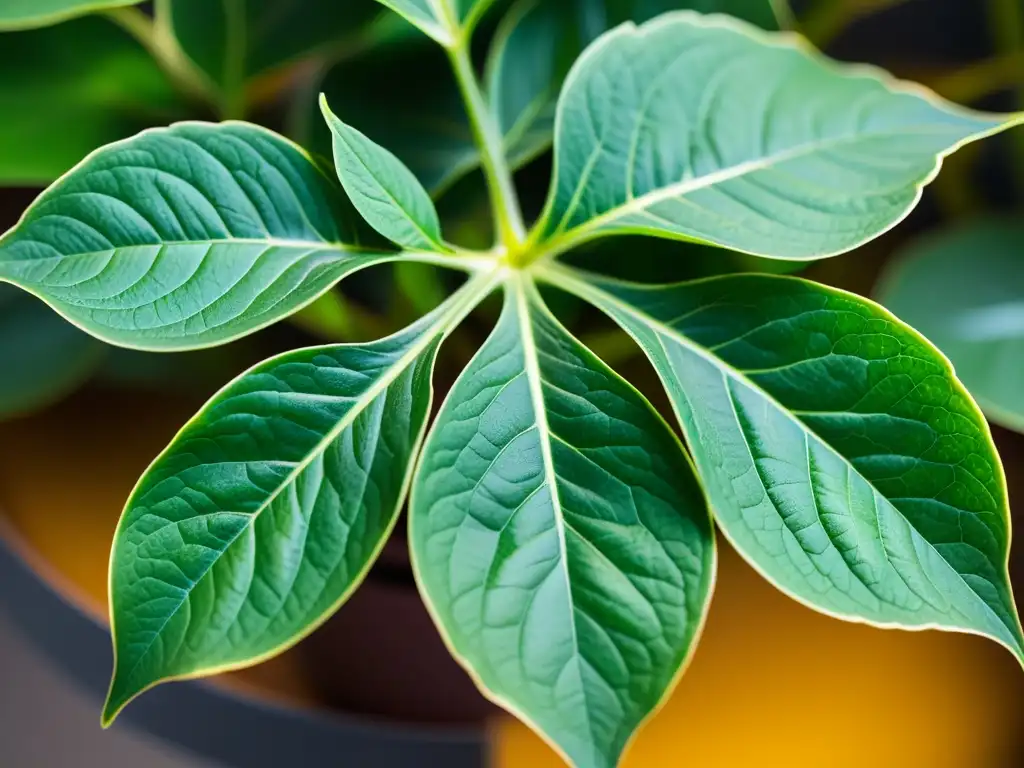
(772, 683)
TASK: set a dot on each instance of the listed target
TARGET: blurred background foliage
(68, 86)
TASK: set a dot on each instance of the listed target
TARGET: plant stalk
(164, 50)
(508, 218)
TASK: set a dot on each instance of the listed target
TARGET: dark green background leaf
(42, 357)
(68, 89)
(964, 290)
(234, 40)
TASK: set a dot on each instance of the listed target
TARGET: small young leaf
(267, 510)
(26, 14)
(87, 73)
(420, 116)
(560, 537)
(42, 358)
(840, 454)
(704, 128)
(964, 290)
(538, 42)
(382, 189)
(183, 237)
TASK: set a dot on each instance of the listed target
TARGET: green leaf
(267, 510)
(964, 290)
(26, 14)
(704, 128)
(85, 73)
(232, 41)
(184, 237)
(382, 189)
(428, 15)
(539, 40)
(841, 455)
(42, 357)
(420, 116)
(559, 536)
(443, 20)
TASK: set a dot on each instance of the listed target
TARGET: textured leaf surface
(268, 508)
(85, 73)
(704, 128)
(24, 14)
(539, 41)
(964, 290)
(839, 452)
(382, 189)
(183, 237)
(42, 357)
(560, 537)
(234, 40)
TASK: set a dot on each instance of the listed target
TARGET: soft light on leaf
(964, 290)
(382, 189)
(841, 456)
(560, 537)
(269, 507)
(184, 237)
(705, 128)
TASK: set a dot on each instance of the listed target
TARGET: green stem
(508, 217)
(978, 80)
(233, 98)
(828, 18)
(165, 51)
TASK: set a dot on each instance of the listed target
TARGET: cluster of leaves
(561, 534)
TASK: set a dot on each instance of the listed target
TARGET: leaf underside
(26, 14)
(560, 537)
(840, 454)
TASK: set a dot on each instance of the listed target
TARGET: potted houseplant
(560, 534)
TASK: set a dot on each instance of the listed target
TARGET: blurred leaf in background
(964, 290)
(67, 89)
(42, 357)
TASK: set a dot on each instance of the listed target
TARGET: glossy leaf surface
(25, 14)
(705, 128)
(839, 452)
(232, 41)
(269, 507)
(539, 41)
(42, 357)
(183, 237)
(382, 189)
(85, 73)
(560, 537)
